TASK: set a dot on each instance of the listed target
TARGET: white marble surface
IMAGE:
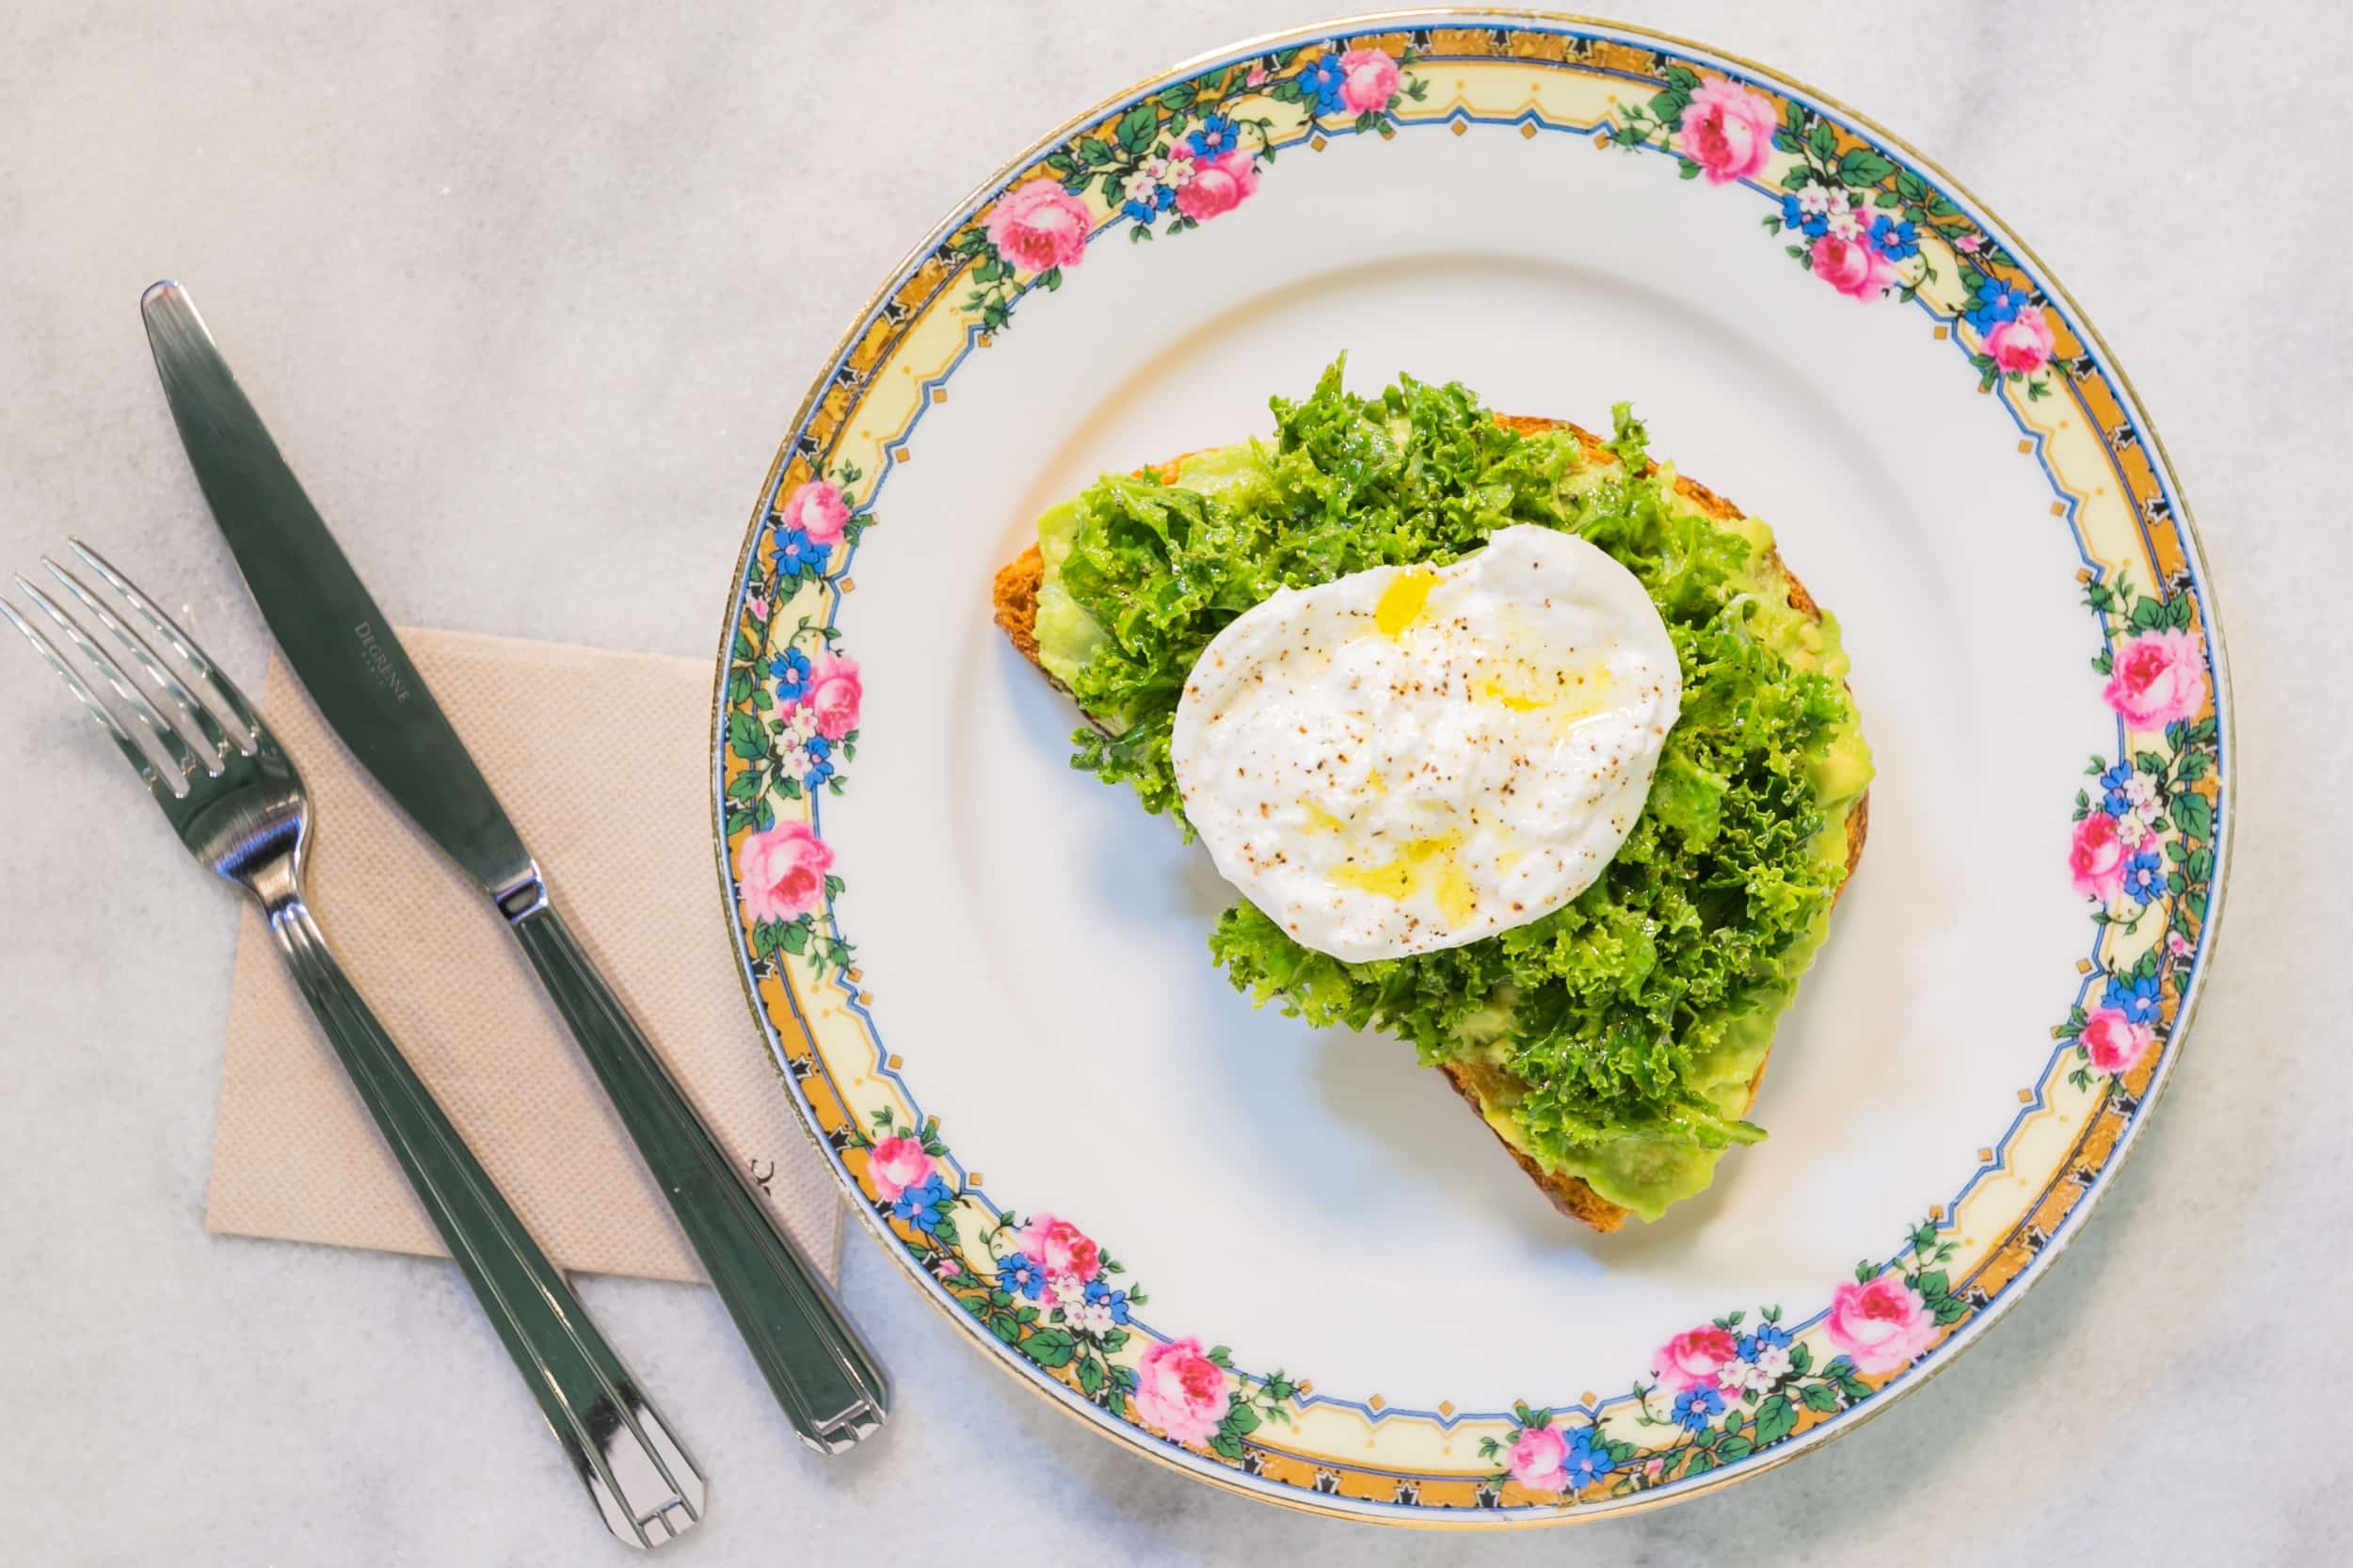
(540, 284)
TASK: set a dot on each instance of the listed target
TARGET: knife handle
(829, 1383)
(641, 1481)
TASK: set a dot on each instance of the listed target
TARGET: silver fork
(237, 803)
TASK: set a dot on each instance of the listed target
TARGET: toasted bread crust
(1014, 596)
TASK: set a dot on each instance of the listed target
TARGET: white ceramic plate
(986, 975)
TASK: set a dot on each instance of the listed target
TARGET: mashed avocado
(1615, 1038)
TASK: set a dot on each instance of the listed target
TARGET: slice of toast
(1016, 592)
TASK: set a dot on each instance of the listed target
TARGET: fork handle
(641, 1480)
(831, 1386)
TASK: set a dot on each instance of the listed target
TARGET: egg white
(1410, 759)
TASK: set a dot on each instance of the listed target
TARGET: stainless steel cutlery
(237, 803)
(830, 1384)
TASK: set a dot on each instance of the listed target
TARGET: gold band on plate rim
(1285, 1496)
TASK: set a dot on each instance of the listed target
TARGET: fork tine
(216, 739)
(175, 749)
(208, 674)
(49, 651)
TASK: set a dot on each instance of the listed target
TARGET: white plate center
(1036, 945)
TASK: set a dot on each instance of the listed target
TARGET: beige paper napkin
(602, 759)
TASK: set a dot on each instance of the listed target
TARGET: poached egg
(1412, 757)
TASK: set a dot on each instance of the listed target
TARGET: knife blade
(828, 1381)
(322, 614)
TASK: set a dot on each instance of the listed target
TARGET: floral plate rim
(1332, 31)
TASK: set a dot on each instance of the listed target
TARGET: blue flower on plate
(2144, 878)
(2113, 781)
(1765, 1334)
(1214, 140)
(1814, 225)
(919, 1205)
(1142, 211)
(1696, 1407)
(1324, 79)
(790, 670)
(2138, 998)
(1019, 1275)
(817, 751)
(1999, 302)
(1893, 238)
(1115, 1300)
(796, 554)
(1586, 1461)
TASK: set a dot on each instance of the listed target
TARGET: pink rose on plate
(1851, 266)
(1369, 80)
(2096, 858)
(1038, 226)
(1060, 1248)
(2157, 679)
(757, 606)
(816, 509)
(2021, 345)
(2177, 944)
(1692, 1358)
(1968, 244)
(895, 1164)
(2115, 1042)
(834, 693)
(782, 871)
(1219, 186)
(1538, 1459)
(1727, 130)
(1879, 1325)
(1180, 1391)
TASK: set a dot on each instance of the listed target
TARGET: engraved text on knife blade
(379, 662)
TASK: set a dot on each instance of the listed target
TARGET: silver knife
(829, 1383)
